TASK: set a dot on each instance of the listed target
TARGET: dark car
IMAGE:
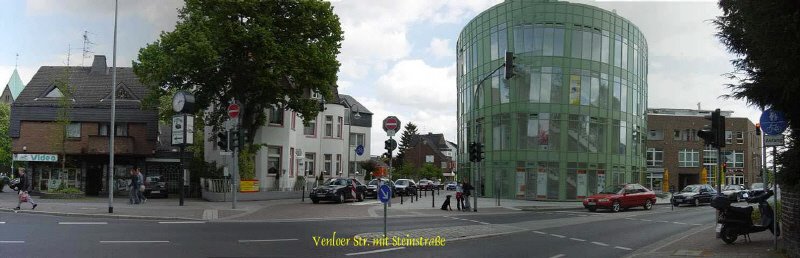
(735, 193)
(155, 186)
(372, 187)
(405, 187)
(756, 189)
(339, 190)
(621, 197)
(694, 194)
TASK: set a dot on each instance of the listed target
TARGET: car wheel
(648, 204)
(615, 207)
(592, 209)
(697, 202)
(315, 200)
(341, 198)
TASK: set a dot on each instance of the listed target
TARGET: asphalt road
(546, 234)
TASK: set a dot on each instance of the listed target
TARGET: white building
(328, 145)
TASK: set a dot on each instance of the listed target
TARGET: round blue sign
(383, 193)
(773, 122)
(360, 150)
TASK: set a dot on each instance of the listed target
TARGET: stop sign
(233, 110)
(391, 123)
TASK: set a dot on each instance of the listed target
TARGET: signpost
(383, 195)
(773, 123)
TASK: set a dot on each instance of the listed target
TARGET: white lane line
(662, 221)
(132, 241)
(12, 242)
(484, 223)
(83, 223)
(577, 239)
(623, 248)
(181, 222)
(647, 220)
(2, 222)
(557, 256)
(681, 223)
(600, 243)
(629, 218)
(377, 251)
(697, 224)
(84, 208)
(558, 236)
(267, 240)
(540, 232)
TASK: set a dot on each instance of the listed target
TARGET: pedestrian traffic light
(222, 141)
(235, 140)
(509, 65)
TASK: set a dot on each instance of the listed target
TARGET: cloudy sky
(398, 57)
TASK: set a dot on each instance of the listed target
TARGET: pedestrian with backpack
(24, 187)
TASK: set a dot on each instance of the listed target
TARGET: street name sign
(773, 140)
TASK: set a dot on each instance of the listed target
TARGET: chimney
(99, 65)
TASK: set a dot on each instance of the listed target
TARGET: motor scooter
(733, 222)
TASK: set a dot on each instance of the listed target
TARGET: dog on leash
(446, 204)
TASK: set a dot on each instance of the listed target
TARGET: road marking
(133, 241)
(577, 239)
(365, 203)
(83, 223)
(377, 251)
(681, 223)
(181, 222)
(600, 243)
(559, 236)
(2, 222)
(12, 242)
(484, 223)
(85, 208)
(663, 221)
(210, 214)
(623, 248)
(557, 256)
(540, 232)
(697, 224)
(629, 219)
(647, 220)
(267, 240)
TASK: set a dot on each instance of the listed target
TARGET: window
(710, 157)
(294, 118)
(655, 135)
(273, 160)
(339, 128)
(338, 164)
(328, 126)
(102, 129)
(311, 128)
(501, 133)
(54, 93)
(728, 137)
(739, 138)
(276, 116)
(688, 158)
(121, 129)
(676, 135)
(655, 157)
(310, 163)
(356, 139)
(734, 159)
(74, 130)
(327, 164)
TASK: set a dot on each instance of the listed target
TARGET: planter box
(62, 196)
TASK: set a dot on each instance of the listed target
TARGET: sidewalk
(702, 242)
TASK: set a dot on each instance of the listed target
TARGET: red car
(621, 197)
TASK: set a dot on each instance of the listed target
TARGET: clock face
(178, 102)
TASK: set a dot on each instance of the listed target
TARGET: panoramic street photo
(411, 128)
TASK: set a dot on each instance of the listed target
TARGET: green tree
(763, 35)
(431, 172)
(369, 166)
(405, 142)
(63, 119)
(265, 54)
(5, 139)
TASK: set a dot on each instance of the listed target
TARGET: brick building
(673, 145)
(434, 149)
(36, 132)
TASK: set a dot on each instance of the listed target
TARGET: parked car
(405, 187)
(735, 193)
(621, 197)
(756, 189)
(339, 190)
(438, 185)
(452, 186)
(425, 184)
(694, 194)
(155, 186)
(372, 187)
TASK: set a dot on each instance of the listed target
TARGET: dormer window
(54, 93)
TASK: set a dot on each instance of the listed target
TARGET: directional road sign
(384, 193)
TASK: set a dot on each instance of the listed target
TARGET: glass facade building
(570, 122)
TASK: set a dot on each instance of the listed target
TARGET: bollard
(303, 198)
(433, 200)
(412, 197)
(438, 191)
(401, 199)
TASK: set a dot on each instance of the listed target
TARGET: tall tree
(5, 139)
(405, 143)
(764, 36)
(63, 119)
(265, 54)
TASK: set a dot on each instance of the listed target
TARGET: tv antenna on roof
(86, 45)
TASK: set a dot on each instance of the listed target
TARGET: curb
(67, 214)
(523, 208)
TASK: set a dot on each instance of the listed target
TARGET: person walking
(133, 187)
(24, 188)
(140, 192)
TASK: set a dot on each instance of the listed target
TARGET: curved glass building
(569, 122)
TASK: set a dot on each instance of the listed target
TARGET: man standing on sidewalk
(24, 188)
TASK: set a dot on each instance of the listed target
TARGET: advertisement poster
(248, 186)
(601, 181)
(581, 184)
(541, 181)
(521, 184)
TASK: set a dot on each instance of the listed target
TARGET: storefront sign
(248, 186)
(36, 157)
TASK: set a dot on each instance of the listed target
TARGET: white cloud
(160, 13)
(413, 83)
(441, 48)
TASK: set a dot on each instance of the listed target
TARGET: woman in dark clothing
(24, 188)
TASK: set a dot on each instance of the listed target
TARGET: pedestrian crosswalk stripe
(365, 203)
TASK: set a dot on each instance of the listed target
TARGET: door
(94, 180)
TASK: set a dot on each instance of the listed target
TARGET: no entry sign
(233, 110)
(391, 125)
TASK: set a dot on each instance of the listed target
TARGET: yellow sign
(665, 184)
(704, 176)
(248, 186)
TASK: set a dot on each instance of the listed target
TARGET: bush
(67, 190)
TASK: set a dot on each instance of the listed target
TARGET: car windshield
(691, 189)
(153, 179)
(337, 182)
(401, 182)
(757, 186)
(613, 190)
(732, 187)
(373, 182)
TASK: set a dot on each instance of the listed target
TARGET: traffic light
(708, 136)
(235, 140)
(475, 152)
(718, 126)
(509, 65)
(471, 151)
(758, 128)
(222, 141)
(389, 145)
